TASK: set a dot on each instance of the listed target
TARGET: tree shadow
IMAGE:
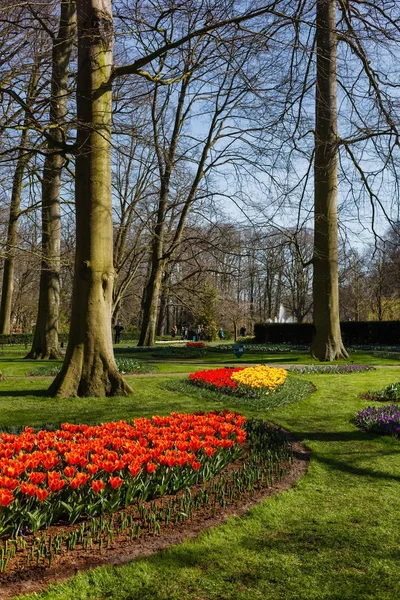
(346, 467)
(334, 436)
(310, 542)
(24, 393)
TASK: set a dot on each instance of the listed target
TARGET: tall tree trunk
(160, 330)
(15, 205)
(327, 344)
(89, 368)
(150, 306)
(164, 305)
(115, 313)
(12, 238)
(45, 341)
(166, 165)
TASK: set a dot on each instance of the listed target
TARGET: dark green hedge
(16, 338)
(376, 333)
(27, 338)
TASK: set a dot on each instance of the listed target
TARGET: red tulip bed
(216, 378)
(125, 479)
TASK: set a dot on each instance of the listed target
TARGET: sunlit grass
(334, 535)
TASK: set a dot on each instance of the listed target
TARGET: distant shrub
(330, 369)
(390, 393)
(46, 371)
(253, 348)
(125, 366)
(179, 352)
(130, 366)
(389, 355)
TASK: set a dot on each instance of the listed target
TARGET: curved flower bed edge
(268, 457)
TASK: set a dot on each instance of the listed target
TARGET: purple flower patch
(384, 420)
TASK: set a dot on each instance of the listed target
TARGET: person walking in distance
(118, 329)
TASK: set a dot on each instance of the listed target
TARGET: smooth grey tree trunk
(327, 344)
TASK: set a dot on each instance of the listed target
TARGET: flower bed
(390, 393)
(254, 348)
(126, 366)
(130, 366)
(384, 420)
(391, 355)
(176, 352)
(87, 470)
(376, 347)
(240, 380)
(266, 458)
(330, 369)
(195, 344)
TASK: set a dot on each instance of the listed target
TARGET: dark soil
(21, 579)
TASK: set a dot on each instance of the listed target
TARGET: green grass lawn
(249, 357)
(12, 362)
(334, 535)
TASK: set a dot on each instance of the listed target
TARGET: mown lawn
(12, 362)
(252, 357)
(333, 535)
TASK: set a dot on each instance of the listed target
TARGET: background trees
(207, 105)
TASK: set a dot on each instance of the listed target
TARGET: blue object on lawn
(238, 350)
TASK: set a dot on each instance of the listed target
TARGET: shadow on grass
(349, 436)
(21, 359)
(334, 436)
(246, 567)
(24, 393)
(346, 467)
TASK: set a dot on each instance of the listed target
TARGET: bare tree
(22, 160)
(45, 341)
(89, 368)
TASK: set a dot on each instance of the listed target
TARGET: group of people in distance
(199, 332)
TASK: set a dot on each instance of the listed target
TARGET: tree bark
(89, 368)
(150, 305)
(327, 344)
(45, 341)
(116, 309)
(15, 206)
(163, 320)
(12, 238)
